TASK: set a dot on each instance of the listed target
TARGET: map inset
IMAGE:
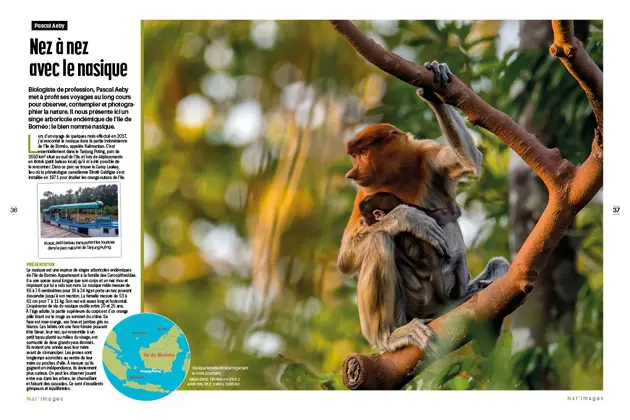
(146, 356)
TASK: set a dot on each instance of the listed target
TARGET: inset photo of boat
(78, 210)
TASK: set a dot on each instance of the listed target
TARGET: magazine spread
(269, 203)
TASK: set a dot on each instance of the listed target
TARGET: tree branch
(541, 159)
(570, 189)
(570, 51)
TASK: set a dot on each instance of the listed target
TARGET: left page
(74, 207)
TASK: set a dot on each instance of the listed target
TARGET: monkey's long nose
(352, 173)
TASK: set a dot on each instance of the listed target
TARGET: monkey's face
(372, 150)
(363, 168)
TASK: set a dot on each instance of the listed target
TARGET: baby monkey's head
(374, 207)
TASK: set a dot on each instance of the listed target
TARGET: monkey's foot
(497, 267)
(441, 73)
(415, 333)
(479, 285)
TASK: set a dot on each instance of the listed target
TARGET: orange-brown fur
(397, 164)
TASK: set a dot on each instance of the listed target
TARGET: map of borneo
(146, 356)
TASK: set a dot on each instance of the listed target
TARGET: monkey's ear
(387, 137)
(378, 214)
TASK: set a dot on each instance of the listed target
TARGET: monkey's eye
(363, 152)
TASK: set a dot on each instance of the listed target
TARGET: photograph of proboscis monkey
(377, 204)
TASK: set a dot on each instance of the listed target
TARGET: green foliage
(537, 77)
(110, 210)
(559, 365)
(297, 376)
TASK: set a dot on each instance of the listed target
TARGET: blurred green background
(245, 201)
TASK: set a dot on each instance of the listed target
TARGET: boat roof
(92, 205)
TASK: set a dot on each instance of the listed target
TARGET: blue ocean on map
(140, 331)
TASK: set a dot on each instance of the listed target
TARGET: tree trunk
(549, 309)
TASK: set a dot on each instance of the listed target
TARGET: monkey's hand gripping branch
(570, 189)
